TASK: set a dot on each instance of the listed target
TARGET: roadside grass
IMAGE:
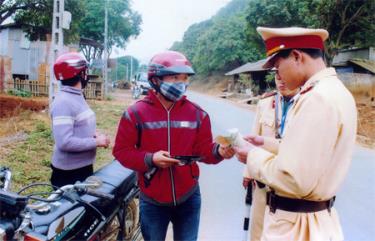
(108, 114)
(30, 159)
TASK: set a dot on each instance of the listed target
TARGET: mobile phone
(186, 160)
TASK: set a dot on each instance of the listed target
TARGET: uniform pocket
(267, 126)
(267, 121)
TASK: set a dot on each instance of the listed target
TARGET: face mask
(173, 91)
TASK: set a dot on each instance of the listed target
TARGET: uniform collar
(291, 100)
(314, 80)
(71, 90)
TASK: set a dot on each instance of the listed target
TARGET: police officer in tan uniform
(316, 151)
(269, 125)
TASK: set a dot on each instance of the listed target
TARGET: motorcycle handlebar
(100, 194)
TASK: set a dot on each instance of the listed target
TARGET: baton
(248, 202)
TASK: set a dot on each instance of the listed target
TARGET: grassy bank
(30, 157)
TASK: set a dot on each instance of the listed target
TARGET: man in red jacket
(151, 135)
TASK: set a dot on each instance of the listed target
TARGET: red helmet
(69, 65)
(169, 63)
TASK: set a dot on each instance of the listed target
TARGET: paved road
(223, 196)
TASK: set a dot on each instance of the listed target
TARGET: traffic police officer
(315, 154)
(268, 129)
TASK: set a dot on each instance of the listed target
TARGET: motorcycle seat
(117, 179)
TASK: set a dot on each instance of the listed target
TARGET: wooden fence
(32, 86)
(94, 90)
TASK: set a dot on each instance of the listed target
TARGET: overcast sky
(165, 21)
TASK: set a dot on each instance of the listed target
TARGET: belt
(297, 205)
(260, 184)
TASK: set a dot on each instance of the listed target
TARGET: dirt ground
(16, 112)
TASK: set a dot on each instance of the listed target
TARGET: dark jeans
(61, 177)
(184, 217)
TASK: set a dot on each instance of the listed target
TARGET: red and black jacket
(183, 130)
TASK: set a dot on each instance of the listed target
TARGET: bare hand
(241, 152)
(102, 140)
(255, 140)
(162, 159)
(226, 151)
(245, 182)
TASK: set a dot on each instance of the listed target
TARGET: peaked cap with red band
(277, 39)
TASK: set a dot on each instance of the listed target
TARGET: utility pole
(57, 43)
(131, 67)
(116, 70)
(105, 49)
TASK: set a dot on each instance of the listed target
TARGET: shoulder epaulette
(308, 88)
(268, 94)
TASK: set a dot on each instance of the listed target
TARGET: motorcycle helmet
(70, 65)
(168, 63)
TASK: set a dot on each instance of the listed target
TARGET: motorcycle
(103, 207)
(136, 91)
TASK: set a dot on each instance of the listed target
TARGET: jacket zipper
(169, 150)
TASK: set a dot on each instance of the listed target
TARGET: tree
(351, 23)
(123, 23)
(87, 26)
(10, 7)
(219, 44)
(36, 21)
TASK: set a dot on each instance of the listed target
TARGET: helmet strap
(156, 87)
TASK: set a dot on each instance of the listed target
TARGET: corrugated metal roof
(249, 67)
(365, 63)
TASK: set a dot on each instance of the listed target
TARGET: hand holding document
(232, 138)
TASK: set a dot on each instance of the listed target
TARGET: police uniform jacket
(313, 159)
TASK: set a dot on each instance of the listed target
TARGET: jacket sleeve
(63, 134)
(125, 150)
(256, 128)
(271, 144)
(204, 145)
(306, 148)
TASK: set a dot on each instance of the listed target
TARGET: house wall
(4, 41)
(344, 56)
(360, 85)
(372, 53)
(26, 57)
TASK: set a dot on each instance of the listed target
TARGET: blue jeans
(184, 217)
